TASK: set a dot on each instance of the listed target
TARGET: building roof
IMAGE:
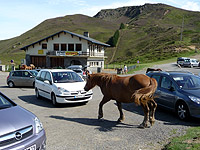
(74, 34)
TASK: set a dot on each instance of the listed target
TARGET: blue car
(19, 128)
(178, 92)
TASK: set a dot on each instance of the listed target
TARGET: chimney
(86, 34)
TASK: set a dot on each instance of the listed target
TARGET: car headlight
(90, 92)
(38, 126)
(63, 91)
(195, 99)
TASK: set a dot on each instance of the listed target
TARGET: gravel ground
(76, 127)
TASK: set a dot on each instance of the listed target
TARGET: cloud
(194, 6)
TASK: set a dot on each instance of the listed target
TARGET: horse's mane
(103, 77)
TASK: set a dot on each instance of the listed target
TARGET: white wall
(62, 39)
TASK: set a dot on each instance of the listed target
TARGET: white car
(61, 86)
(191, 63)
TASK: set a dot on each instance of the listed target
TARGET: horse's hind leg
(146, 115)
(104, 100)
(152, 106)
(121, 118)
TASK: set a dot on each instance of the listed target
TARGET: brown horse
(138, 88)
(152, 69)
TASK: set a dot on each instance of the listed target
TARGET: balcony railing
(75, 53)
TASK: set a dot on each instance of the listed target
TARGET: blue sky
(19, 16)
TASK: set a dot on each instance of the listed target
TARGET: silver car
(79, 70)
(21, 78)
(19, 128)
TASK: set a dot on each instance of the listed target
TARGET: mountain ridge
(150, 30)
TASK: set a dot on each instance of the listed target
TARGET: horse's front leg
(146, 115)
(121, 118)
(104, 100)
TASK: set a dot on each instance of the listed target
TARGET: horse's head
(90, 82)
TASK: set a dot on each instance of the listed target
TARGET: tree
(122, 26)
(114, 39)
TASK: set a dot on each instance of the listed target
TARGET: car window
(157, 77)
(187, 81)
(34, 73)
(42, 76)
(25, 74)
(38, 77)
(63, 77)
(4, 103)
(48, 76)
(17, 73)
(166, 83)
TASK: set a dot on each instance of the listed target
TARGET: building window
(56, 47)
(63, 47)
(44, 46)
(70, 47)
(78, 47)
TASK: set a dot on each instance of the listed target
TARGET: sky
(19, 16)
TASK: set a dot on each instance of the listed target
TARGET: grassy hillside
(152, 32)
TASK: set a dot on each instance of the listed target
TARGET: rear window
(78, 71)
(180, 59)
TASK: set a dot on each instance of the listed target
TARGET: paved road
(75, 127)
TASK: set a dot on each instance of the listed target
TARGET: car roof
(57, 70)
(171, 72)
(23, 70)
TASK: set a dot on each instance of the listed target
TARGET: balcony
(74, 53)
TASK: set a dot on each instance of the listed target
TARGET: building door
(57, 62)
(38, 61)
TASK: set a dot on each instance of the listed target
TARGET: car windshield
(34, 73)
(64, 77)
(187, 81)
(4, 103)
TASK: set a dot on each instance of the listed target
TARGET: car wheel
(11, 84)
(37, 93)
(53, 98)
(182, 111)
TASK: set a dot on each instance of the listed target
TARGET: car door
(167, 92)
(40, 84)
(48, 85)
(17, 78)
(27, 79)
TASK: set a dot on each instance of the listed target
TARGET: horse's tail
(144, 94)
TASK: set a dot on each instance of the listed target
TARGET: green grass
(7, 57)
(189, 141)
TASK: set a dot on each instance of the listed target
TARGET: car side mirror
(171, 89)
(47, 82)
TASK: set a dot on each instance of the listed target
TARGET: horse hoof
(142, 126)
(99, 117)
(152, 123)
(119, 121)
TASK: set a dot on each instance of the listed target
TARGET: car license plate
(33, 147)
(79, 96)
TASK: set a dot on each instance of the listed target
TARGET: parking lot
(76, 127)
